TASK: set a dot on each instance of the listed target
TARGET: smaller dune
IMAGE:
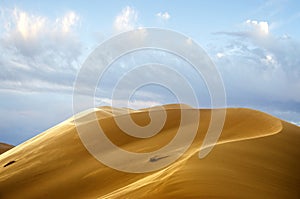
(5, 147)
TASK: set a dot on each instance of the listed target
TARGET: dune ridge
(256, 156)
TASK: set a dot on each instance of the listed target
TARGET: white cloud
(126, 20)
(269, 60)
(220, 55)
(28, 26)
(261, 27)
(21, 25)
(68, 21)
(164, 16)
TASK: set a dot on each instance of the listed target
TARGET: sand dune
(5, 147)
(257, 156)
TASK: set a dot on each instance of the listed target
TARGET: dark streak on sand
(156, 158)
(9, 163)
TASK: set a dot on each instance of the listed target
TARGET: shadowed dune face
(256, 156)
(5, 147)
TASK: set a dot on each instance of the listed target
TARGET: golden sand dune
(257, 156)
(5, 147)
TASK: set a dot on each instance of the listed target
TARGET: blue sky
(255, 45)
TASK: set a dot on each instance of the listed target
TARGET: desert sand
(257, 156)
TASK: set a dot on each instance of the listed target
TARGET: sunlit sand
(256, 156)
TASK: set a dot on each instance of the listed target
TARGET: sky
(255, 45)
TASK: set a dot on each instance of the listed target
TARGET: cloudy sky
(255, 45)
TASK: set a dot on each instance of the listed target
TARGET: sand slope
(5, 147)
(257, 156)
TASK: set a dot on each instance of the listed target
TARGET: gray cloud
(261, 70)
(38, 53)
(38, 62)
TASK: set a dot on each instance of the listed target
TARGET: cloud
(126, 20)
(31, 34)
(38, 62)
(164, 16)
(38, 53)
(134, 104)
(27, 26)
(259, 67)
(261, 27)
(24, 115)
(120, 80)
(252, 29)
(68, 21)
(220, 55)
